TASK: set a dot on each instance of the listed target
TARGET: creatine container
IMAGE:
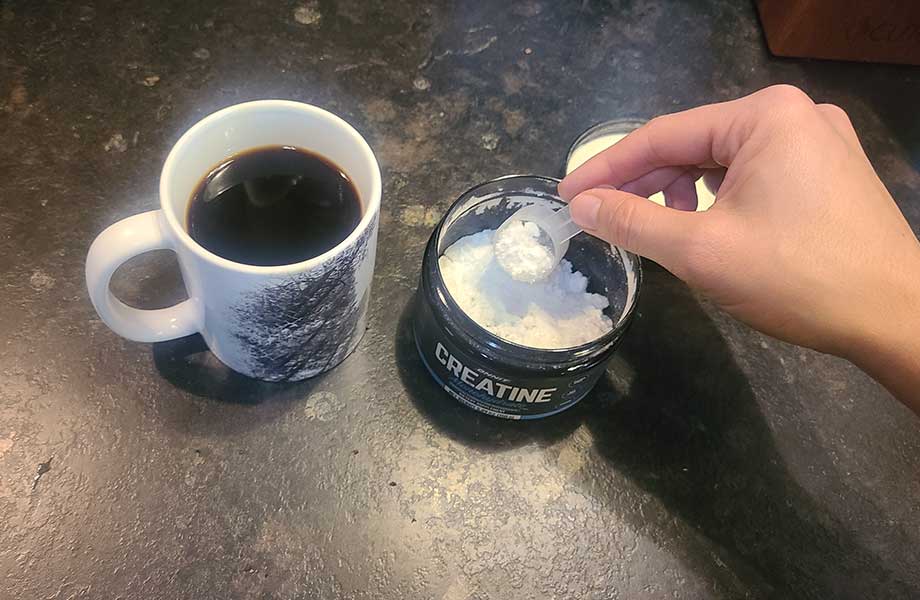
(491, 374)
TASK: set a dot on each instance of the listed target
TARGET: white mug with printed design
(277, 323)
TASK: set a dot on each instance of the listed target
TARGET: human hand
(803, 243)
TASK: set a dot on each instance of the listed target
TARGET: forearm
(889, 350)
(898, 369)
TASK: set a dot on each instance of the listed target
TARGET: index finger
(707, 136)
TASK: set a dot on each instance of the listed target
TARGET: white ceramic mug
(278, 323)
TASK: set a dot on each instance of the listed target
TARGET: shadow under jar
(491, 374)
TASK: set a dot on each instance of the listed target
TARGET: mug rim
(370, 212)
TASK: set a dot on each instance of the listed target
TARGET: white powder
(520, 252)
(557, 312)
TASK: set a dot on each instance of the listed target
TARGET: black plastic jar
(491, 374)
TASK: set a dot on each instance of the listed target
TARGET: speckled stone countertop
(712, 462)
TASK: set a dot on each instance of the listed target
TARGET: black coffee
(273, 206)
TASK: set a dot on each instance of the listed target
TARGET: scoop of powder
(519, 251)
(557, 312)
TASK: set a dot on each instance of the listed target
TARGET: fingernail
(585, 209)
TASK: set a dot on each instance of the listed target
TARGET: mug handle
(118, 243)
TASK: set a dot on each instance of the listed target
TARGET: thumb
(636, 224)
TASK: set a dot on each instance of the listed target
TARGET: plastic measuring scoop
(555, 229)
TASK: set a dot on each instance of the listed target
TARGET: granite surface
(712, 462)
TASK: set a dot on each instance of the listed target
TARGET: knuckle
(656, 127)
(788, 95)
(657, 122)
(836, 114)
(833, 109)
(647, 131)
(787, 106)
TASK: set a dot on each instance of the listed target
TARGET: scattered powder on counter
(557, 312)
(519, 251)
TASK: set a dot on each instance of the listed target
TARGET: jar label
(484, 387)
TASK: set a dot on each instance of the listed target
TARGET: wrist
(887, 345)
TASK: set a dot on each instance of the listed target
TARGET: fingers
(634, 223)
(653, 181)
(681, 193)
(713, 179)
(661, 179)
(677, 183)
(708, 137)
(705, 136)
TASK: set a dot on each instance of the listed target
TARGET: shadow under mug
(276, 323)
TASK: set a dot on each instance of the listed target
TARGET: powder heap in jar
(557, 312)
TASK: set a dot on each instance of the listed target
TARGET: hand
(803, 243)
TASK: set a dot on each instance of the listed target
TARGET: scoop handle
(562, 226)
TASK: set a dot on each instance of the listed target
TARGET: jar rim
(502, 344)
(610, 127)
